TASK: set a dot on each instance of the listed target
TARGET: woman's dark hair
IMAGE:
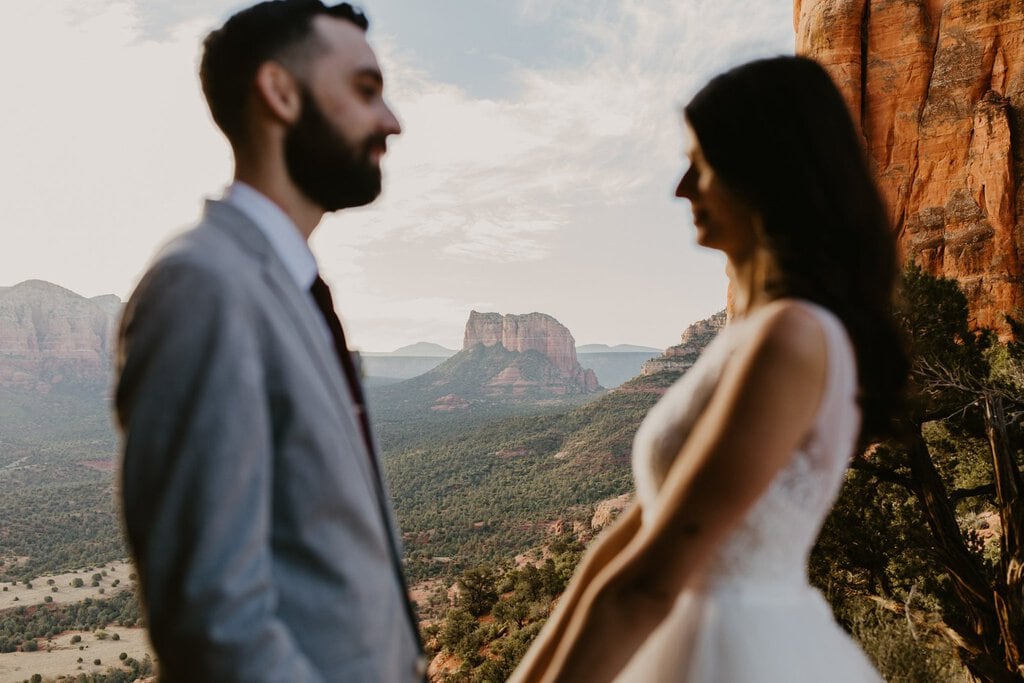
(780, 135)
(275, 29)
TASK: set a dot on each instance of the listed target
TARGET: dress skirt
(746, 633)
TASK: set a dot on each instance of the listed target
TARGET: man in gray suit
(252, 493)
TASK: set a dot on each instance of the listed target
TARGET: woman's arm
(598, 556)
(764, 405)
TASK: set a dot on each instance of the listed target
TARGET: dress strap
(840, 394)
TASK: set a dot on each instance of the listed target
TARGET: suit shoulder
(207, 256)
(198, 271)
(202, 247)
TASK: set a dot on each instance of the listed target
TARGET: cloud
(106, 142)
(607, 127)
(385, 323)
(503, 242)
(563, 178)
(589, 148)
(541, 180)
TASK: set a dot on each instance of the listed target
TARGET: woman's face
(722, 220)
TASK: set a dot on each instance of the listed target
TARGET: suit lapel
(306, 319)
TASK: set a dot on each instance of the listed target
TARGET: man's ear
(279, 91)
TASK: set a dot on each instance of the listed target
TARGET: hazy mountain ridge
(395, 368)
(618, 348)
(50, 335)
(419, 349)
(615, 367)
(612, 368)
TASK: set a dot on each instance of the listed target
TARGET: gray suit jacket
(264, 541)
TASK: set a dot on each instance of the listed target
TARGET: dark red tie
(322, 295)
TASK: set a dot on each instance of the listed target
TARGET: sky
(541, 145)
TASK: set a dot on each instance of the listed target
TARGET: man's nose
(390, 124)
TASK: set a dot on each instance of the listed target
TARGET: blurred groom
(252, 492)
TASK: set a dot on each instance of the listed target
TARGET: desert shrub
(901, 653)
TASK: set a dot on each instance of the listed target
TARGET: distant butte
(530, 332)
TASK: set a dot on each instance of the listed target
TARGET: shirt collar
(280, 231)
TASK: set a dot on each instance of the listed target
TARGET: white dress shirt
(285, 239)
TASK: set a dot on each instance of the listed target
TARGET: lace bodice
(772, 543)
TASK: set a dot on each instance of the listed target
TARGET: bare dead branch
(957, 495)
(882, 473)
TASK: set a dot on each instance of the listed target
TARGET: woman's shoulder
(795, 324)
(804, 335)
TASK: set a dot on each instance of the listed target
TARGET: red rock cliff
(937, 87)
(695, 338)
(50, 335)
(535, 331)
(530, 332)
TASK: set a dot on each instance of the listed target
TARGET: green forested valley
(920, 559)
(490, 493)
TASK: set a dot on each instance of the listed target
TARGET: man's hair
(273, 30)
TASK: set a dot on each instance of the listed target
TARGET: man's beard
(324, 166)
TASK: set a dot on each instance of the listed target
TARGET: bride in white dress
(704, 580)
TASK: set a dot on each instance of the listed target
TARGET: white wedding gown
(754, 616)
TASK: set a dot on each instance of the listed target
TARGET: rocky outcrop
(531, 332)
(50, 335)
(937, 87)
(607, 510)
(681, 357)
(450, 403)
(521, 379)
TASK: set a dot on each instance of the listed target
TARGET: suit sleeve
(197, 479)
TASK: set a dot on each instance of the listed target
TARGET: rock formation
(450, 403)
(520, 333)
(50, 335)
(607, 510)
(937, 88)
(510, 359)
(681, 357)
(531, 332)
